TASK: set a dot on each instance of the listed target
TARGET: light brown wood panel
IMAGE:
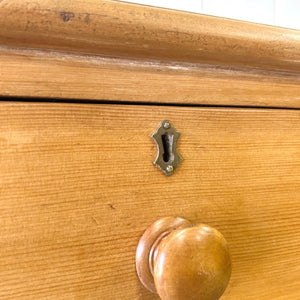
(128, 30)
(47, 74)
(78, 188)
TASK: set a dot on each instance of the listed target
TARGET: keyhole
(167, 141)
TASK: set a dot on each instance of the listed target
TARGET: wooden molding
(111, 50)
(122, 29)
(45, 74)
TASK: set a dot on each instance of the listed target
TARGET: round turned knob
(181, 261)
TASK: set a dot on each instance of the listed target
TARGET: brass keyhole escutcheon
(166, 137)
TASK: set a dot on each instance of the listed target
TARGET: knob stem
(148, 244)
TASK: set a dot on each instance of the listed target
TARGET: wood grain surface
(116, 51)
(78, 188)
(122, 29)
(50, 74)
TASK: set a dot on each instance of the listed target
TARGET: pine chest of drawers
(83, 87)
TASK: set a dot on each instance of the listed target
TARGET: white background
(284, 13)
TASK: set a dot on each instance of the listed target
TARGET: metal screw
(167, 125)
(169, 169)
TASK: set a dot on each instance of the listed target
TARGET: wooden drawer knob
(181, 261)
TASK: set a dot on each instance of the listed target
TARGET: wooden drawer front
(78, 188)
